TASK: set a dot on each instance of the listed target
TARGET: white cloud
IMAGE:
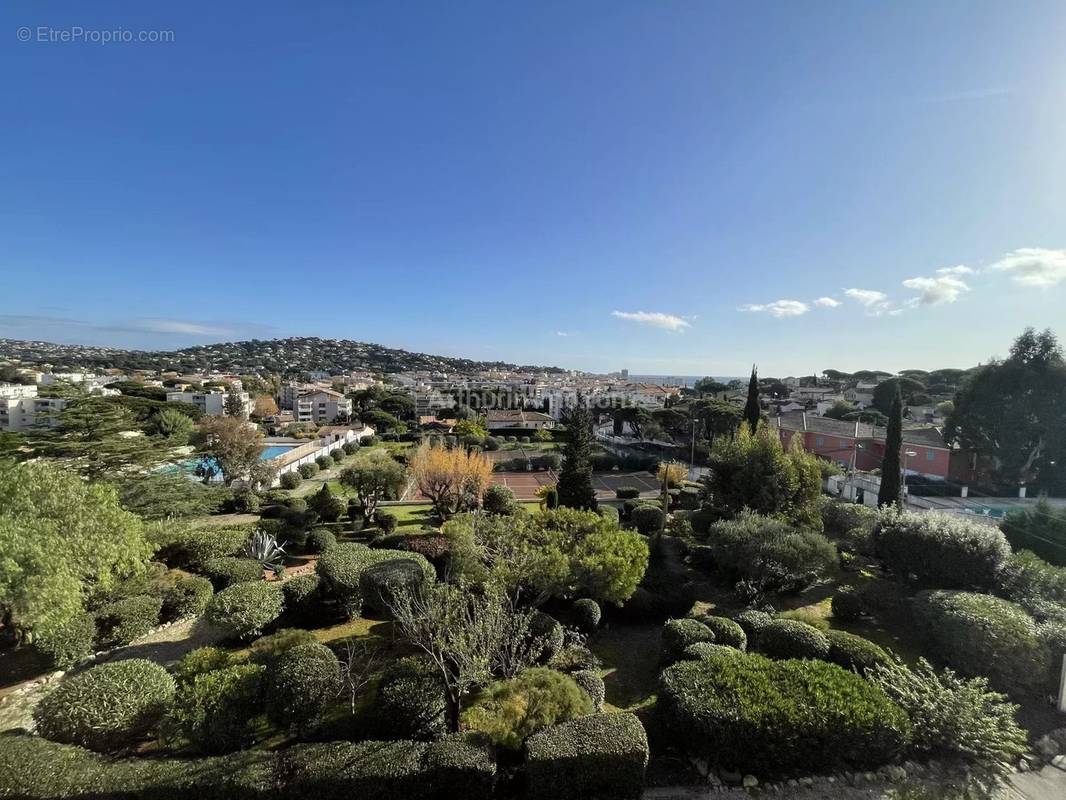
(1034, 266)
(876, 303)
(936, 291)
(961, 269)
(779, 308)
(827, 302)
(655, 319)
(561, 333)
(180, 326)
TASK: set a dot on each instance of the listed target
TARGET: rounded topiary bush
(68, 642)
(749, 713)
(122, 621)
(678, 634)
(789, 638)
(212, 712)
(290, 480)
(726, 631)
(307, 470)
(979, 634)
(301, 683)
(320, 540)
(106, 707)
(197, 547)
(586, 615)
(200, 661)
(753, 622)
(228, 570)
(627, 493)
(548, 628)
(694, 652)
(499, 500)
(300, 592)
(410, 701)
(593, 685)
(854, 652)
(647, 519)
(187, 597)
(380, 583)
(386, 521)
(847, 605)
(267, 649)
(245, 609)
(508, 712)
(324, 462)
(941, 550)
(600, 755)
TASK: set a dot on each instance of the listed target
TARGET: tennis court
(525, 484)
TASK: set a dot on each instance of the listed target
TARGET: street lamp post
(906, 453)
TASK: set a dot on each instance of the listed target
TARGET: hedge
(410, 700)
(380, 583)
(245, 609)
(978, 634)
(187, 597)
(753, 622)
(35, 769)
(267, 649)
(790, 638)
(228, 570)
(749, 713)
(592, 684)
(213, 711)
(854, 652)
(321, 540)
(106, 707)
(342, 566)
(679, 634)
(300, 591)
(694, 652)
(122, 621)
(941, 551)
(68, 642)
(839, 518)
(602, 755)
(726, 631)
(301, 683)
(627, 493)
(197, 547)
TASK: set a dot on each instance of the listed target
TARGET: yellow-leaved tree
(451, 479)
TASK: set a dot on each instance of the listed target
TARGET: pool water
(275, 450)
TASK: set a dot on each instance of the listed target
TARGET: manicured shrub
(770, 554)
(326, 505)
(602, 755)
(200, 661)
(749, 713)
(320, 540)
(679, 634)
(350, 448)
(753, 622)
(380, 583)
(694, 652)
(386, 521)
(342, 566)
(245, 609)
(307, 470)
(547, 627)
(854, 652)
(213, 712)
(107, 706)
(300, 592)
(647, 519)
(499, 500)
(847, 605)
(324, 462)
(290, 480)
(124, 620)
(592, 683)
(609, 513)
(627, 493)
(940, 550)
(979, 634)
(809, 616)
(1032, 583)
(228, 570)
(1040, 528)
(300, 684)
(196, 547)
(726, 631)
(574, 657)
(508, 712)
(839, 518)
(410, 700)
(67, 643)
(585, 614)
(789, 638)
(266, 649)
(187, 597)
(244, 501)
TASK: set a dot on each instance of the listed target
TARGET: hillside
(282, 356)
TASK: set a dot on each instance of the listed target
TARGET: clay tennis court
(525, 484)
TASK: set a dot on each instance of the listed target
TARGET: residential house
(21, 409)
(518, 418)
(321, 406)
(212, 404)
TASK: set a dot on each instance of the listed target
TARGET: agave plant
(264, 548)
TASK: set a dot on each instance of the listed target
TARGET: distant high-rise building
(625, 374)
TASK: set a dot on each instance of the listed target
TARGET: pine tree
(752, 410)
(891, 491)
(233, 406)
(575, 478)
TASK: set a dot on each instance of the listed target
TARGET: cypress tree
(891, 491)
(575, 478)
(752, 411)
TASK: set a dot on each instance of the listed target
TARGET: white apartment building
(212, 404)
(87, 380)
(21, 409)
(321, 406)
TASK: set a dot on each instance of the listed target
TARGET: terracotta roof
(794, 421)
(517, 415)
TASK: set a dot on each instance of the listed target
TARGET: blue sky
(664, 186)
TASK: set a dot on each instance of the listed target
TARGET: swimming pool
(275, 450)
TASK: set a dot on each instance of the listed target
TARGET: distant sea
(679, 380)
